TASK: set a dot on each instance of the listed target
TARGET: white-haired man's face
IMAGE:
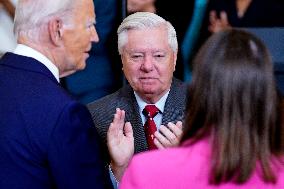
(149, 62)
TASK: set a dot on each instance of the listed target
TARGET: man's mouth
(147, 79)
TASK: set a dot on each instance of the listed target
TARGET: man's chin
(148, 91)
(149, 96)
(73, 69)
(67, 73)
(82, 66)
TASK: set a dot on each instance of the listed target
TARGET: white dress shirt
(30, 52)
(160, 105)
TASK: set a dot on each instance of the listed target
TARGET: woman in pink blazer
(233, 132)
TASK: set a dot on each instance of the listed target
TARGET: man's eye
(136, 56)
(90, 25)
(159, 56)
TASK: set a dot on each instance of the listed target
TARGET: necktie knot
(150, 111)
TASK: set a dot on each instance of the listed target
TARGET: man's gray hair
(144, 20)
(30, 14)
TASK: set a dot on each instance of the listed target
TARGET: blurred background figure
(141, 6)
(7, 38)
(233, 133)
(224, 14)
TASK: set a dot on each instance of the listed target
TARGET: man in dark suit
(47, 139)
(148, 48)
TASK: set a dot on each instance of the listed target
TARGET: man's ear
(175, 60)
(55, 31)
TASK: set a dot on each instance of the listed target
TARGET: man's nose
(94, 35)
(147, 64)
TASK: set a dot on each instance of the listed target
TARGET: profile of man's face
(78, 38)
(149, 62)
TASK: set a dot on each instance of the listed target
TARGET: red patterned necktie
(150, 111)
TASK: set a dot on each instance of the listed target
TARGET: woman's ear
(55, 31)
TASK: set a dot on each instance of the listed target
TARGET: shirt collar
(160, 104)
(29, 52)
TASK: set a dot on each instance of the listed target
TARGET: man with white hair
(47, 139)
(153, 104)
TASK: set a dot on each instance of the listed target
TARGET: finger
(177, 130)
(158, 144)
(111, 129)
(118, 119)
(116, 116)
(212, 17)
(112, 133)
(179, 124)
(128, 129)
(169, 135)
(119, 114)
(122, 115)
(224, 18)
(162, 139)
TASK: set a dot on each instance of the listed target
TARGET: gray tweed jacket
(103, 110)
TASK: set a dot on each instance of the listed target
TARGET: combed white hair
(144, 20)
(30, 14)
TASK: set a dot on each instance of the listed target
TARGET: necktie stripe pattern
(150, 111)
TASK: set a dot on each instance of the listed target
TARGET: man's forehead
(144, 50)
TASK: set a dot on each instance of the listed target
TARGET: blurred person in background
(244, 13)
(7, 38)
(141, 6)
(224, 14)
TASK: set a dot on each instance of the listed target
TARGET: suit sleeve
(74, 155)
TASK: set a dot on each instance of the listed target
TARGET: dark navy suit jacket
(47, 139)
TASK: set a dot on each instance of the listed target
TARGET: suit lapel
(175, 105)
(129, 104)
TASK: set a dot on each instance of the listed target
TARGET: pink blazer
(183, 167)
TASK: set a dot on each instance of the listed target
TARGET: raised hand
(218, 24)
(120, 143)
